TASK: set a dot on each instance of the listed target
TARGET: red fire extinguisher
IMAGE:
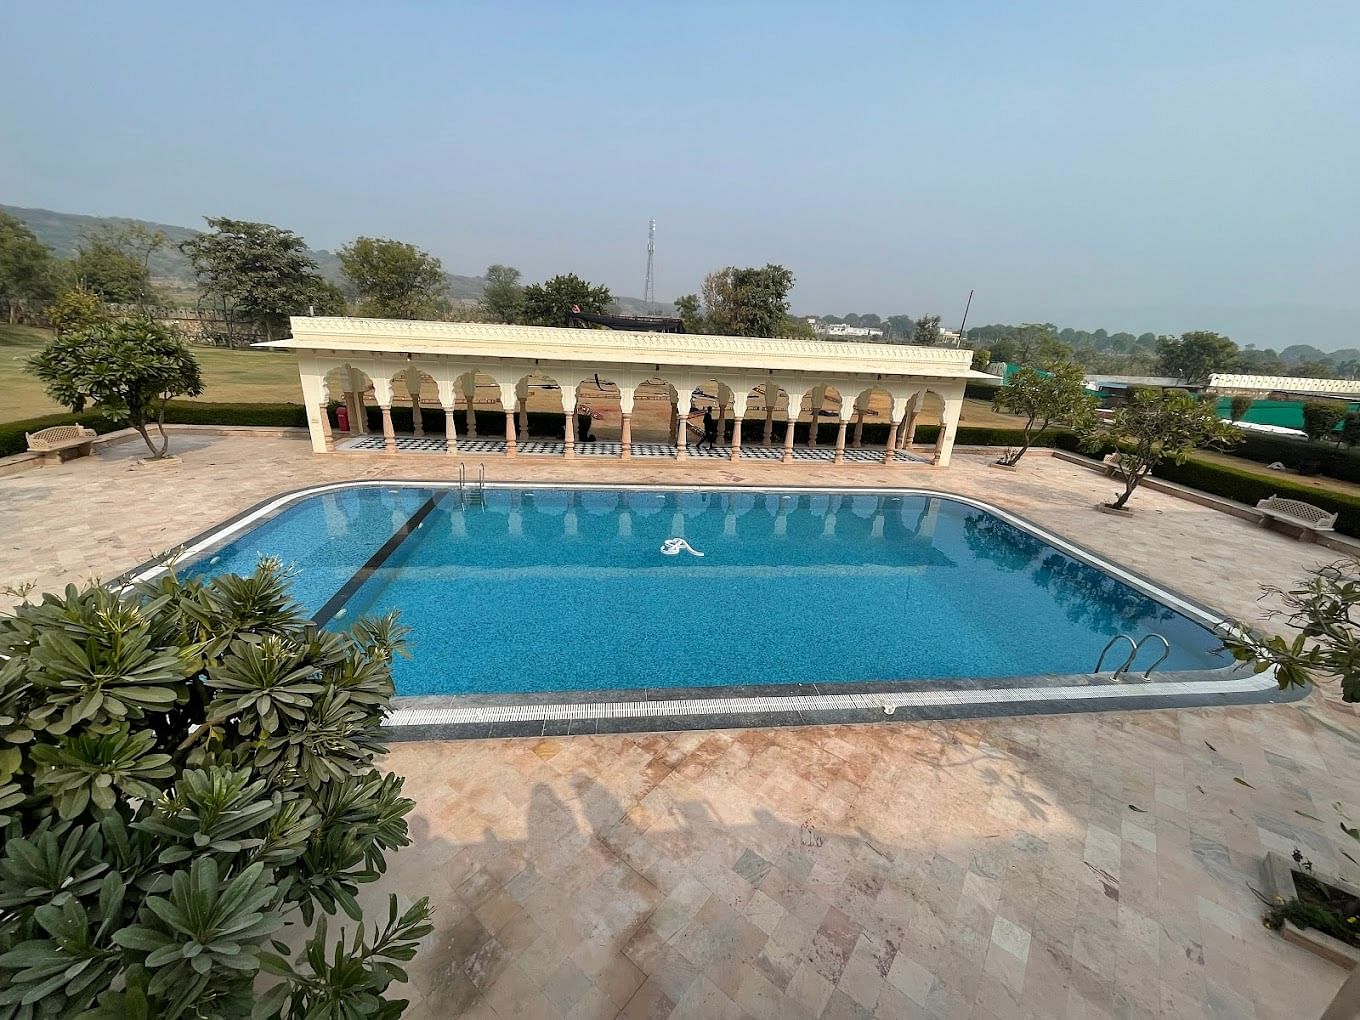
(342, 418)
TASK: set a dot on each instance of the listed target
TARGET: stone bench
(1111, 462)
(1307, 518)
(61, 442)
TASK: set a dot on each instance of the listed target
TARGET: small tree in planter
(1156, 426)
(1321, 417)
(127, 370)
(183, 769)
(1045, 400)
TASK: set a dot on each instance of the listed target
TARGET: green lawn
(229, 376)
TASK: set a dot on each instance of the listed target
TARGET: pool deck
(1046, 866)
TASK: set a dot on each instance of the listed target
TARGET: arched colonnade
(772, 400)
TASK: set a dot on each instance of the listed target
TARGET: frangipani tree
(186, 769)
(127, 370)
(1321, 612)
(1156, 426)
(1057, 397)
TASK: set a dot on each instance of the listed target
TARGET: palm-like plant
(184, 768)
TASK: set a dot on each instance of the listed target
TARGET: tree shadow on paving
(668, 904)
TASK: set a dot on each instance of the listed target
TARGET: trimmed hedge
(1234, 484)
(1300, 455)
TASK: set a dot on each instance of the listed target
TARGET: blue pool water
(539, 590)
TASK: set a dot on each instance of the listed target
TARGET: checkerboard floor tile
(611, 448)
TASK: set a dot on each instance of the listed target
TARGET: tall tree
(1196, 356)
(393, 280)
(503, 298)
(900, 326)
(747, 301)
(27, 270)
(256, 272)
(75, 309)
(550, 303)
(114, 263)
(127, 370)
(926, 331)
(691, 312)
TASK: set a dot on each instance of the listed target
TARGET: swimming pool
(569, 595)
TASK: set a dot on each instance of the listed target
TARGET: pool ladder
(1134, 648)
(479, 493)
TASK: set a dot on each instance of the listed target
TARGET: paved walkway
(1039, 867)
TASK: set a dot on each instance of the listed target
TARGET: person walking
(710, 431)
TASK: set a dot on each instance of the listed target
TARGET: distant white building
(1286, 384)
(841, 329)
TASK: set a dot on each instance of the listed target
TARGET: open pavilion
(765, 378)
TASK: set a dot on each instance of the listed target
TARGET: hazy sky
(1157, 166)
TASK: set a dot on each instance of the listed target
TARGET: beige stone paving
(1083, 866)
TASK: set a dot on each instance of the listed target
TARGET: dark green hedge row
(1300, 455)
(1231, 483)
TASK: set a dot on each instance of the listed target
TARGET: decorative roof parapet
(1288, 384)
(561, 343)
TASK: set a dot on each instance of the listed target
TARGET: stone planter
(1004, 467)
(1277, 875)
(1105, 508)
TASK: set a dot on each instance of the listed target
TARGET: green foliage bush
(185, 768)
(1321, 417)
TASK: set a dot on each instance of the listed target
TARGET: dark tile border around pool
(818, 703)
(813, 717)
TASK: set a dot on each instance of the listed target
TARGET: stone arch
(547, 395)
(348, 385)
(927, 406)
(874, 405)
(765, 405)
(414, 387)
(828, 408)
(654, 401)
(472, 388)
(602, 398)
(717, 395)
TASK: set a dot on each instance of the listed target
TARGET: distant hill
(170, 269)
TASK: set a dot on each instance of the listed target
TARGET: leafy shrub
(182, 769)
(1321, 417)
(1238, 406)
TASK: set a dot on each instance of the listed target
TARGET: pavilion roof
(471, 340)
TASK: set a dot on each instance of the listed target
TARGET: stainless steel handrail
(1133, 651)
(1166, 651)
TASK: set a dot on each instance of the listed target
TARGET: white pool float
(675, 546)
